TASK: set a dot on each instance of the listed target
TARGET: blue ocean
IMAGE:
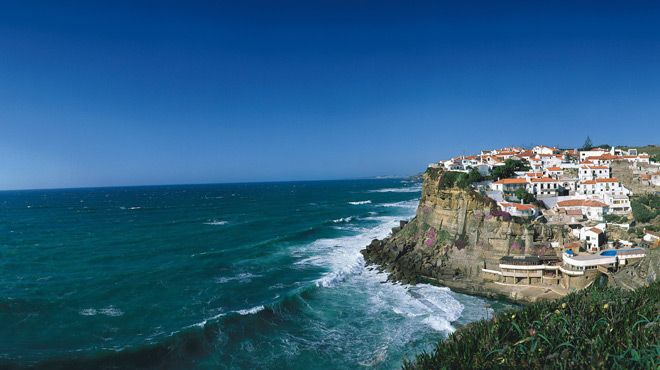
(229, 276)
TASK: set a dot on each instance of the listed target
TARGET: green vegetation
(599, 327)
(460, 179)
(616, 219)
(509, 168)
(524, 196)
(652, 150)
(646, 207)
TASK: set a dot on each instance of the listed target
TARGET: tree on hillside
(509, 168)
(587, 144)
(524, 196)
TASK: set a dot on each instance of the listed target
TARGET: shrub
(509, 168)
(616, 219)
(598, 327)
(460, 179)
(645, 208)
(448, 179)
(524, 196)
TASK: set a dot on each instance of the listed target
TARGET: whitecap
(357, 203)
(343, 219)
(87, 312)
(203, 322)
(243, 277)
(111, 311)
(408, 189)
(250, 311)
(107, 311)
(403, 204)
(216, 222)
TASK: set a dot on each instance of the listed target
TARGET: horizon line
(383, 177)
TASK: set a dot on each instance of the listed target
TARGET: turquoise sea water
(213, 276)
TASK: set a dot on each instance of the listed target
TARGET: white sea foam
(243, 277)
(421, 305)
(343, 219)
(357, 203)
(342, 254)
(203, 322)
(107, 311)
(408, 189)
(403, 204)
(250, 311)
(216, 222)
(438, 323)
(88, 312)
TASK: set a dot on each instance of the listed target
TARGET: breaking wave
(360, 202)
(343, 219)
(409, 189)
(216, 222)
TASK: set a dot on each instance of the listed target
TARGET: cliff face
(455, 233)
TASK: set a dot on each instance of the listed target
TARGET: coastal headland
(453, 236)
(464, 239)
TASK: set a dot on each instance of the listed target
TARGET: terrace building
(592, 172)
(601, 186)
(592, 209)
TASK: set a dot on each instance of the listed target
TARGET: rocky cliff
(455, 233)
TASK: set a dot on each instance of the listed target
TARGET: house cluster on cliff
(574, 188)
(572, 183)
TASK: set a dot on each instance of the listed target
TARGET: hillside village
(576, 189)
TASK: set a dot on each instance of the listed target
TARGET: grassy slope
(652, 150)
(601, 328)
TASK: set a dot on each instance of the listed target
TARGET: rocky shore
(454, 234)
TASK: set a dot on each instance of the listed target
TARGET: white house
(592, 172)
(651, 236)
(508, 185)
(594, 238)
(592, 209)
(517, 209)
(595, 152)
(540, 149)
(549, 160)
(607, 258)
(554, 172)
(655, 179)
(543, 186)
(601, 186)
(452, 165)
(604, 160)
(618, 204)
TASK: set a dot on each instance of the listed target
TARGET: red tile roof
(543, 179)
(593, 167)
(596, 230)
(511, 181)
(518, 206)
(580, 203)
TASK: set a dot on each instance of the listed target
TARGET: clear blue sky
(125, 93)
